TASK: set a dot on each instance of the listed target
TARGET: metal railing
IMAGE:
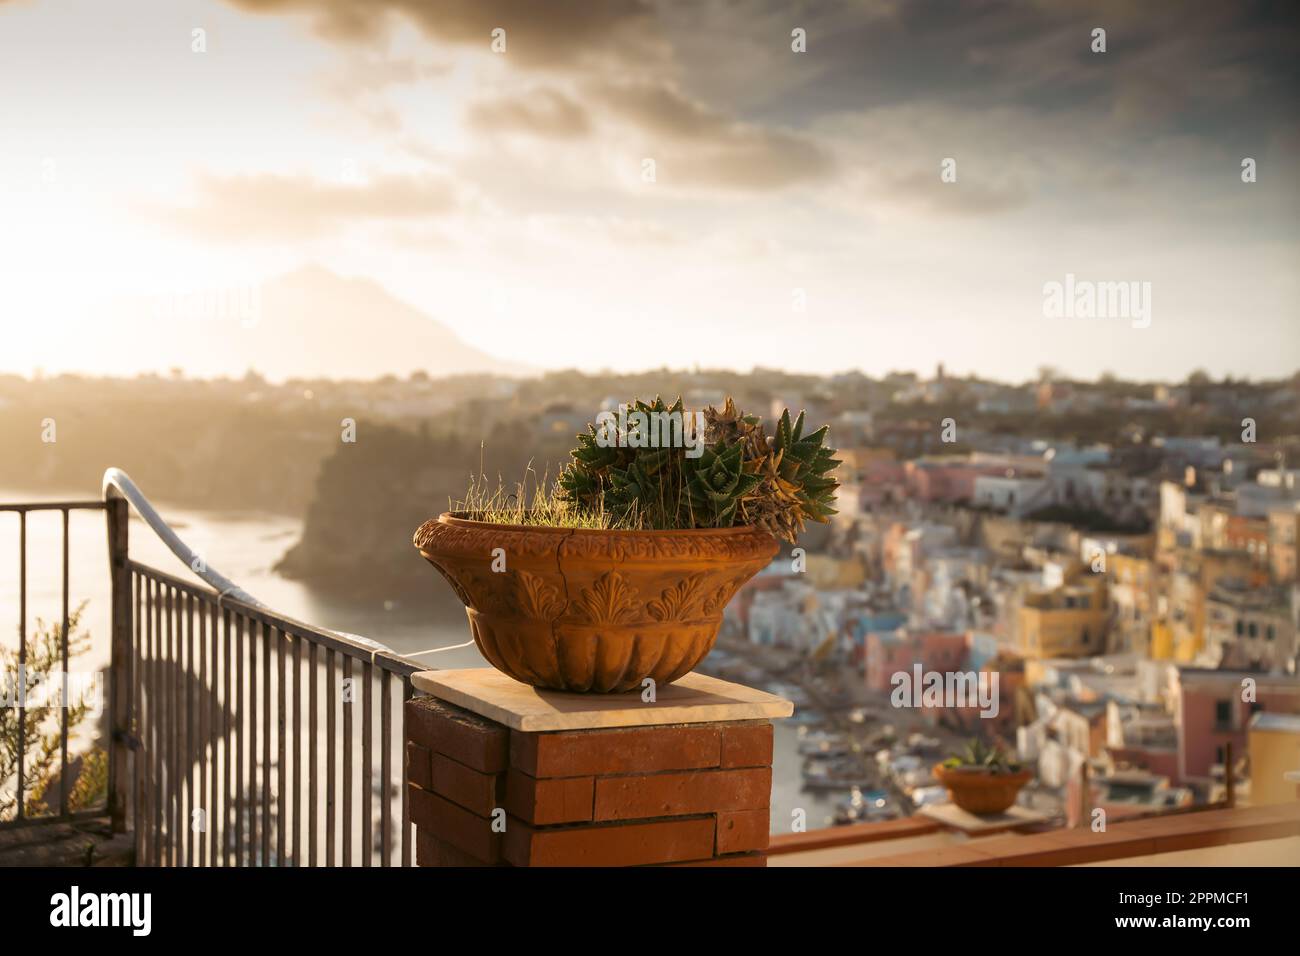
(218, 706)
(24, 722)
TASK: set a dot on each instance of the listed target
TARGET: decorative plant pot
(593, 610)
(979, 791)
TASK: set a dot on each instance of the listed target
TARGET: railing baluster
(386, 768)
(238, 795)
(122, 667)
(253, 749)
(348, 698)
(159, 714)
(148, 688)
(140, 752)
(187, 676)
(63, 696)
(173, 783)
(22, 665)
(367, 766)
(155, 745)
(407, 693)
(266, 745)
(177, 734)
(281, 811)
(311, 755)
(214, 820)
(296, 859)
(330, 699)
(203, 734)
(227, 732)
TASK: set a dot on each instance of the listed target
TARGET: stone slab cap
(951, 815)
(694, 699)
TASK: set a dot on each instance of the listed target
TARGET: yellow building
(1132, 595)
(1068, 621)
(1274, 741)
(835, 574)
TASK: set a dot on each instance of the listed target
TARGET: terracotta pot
(592, 610)
(981, 792)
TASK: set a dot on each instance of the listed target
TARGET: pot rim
(979, 773)
(454, 519)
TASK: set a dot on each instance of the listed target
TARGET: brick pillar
(684, 793)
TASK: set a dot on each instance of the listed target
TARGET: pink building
(881, 480)
(1211, 713)
(949, 481)
(889, 653)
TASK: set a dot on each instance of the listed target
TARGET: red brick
(550, 800)
(455, 825)
(430, 851)
(738, 859)
(418, 767)
(480, 793)
(674, 794)
(747, 744)
(742, 830)
(476, 742)
(624, 750)
(615, 844)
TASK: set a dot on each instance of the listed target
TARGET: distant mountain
(314, 323)
(310, 323)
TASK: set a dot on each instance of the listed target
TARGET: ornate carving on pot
(538, 599)
(680, 602)
(609, 601)
(591, 610)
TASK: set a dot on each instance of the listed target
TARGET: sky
(797, 217)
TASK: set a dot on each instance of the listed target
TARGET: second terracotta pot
(593, 610)
(979, 791)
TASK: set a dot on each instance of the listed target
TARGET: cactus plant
(741, 476)
(981, 756)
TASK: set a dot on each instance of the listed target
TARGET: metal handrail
(118, 483)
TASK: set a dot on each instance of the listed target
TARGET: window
(1223, 714)
(1241, 627)
(1270, 633)
(1252, 629)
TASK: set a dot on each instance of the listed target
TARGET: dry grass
(533, 501)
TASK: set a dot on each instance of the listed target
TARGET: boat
(864, 807)
(822, 743)
(928, 796)
(837, 775)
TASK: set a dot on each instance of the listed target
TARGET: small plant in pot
(982, 780)
(620, 570)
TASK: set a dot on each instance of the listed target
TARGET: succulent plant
(981, 756)
(740, 477)
(718, 485)
(795, 483)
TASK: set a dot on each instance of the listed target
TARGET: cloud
(547, 33)
(277, 207)
(375, 74)
(702, 146)
(963, 198)
(540, 111)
